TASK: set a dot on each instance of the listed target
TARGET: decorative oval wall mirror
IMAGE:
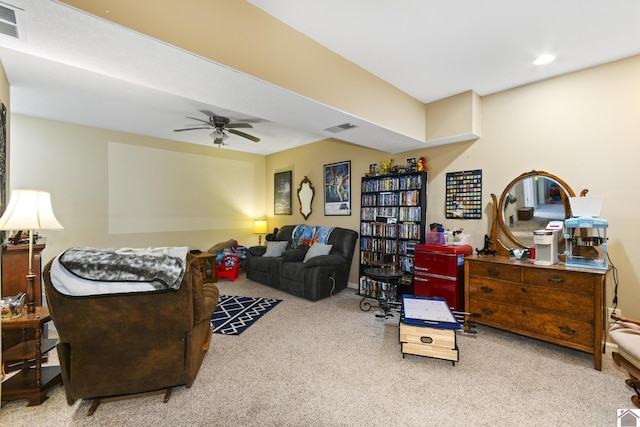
(305, 197)
(529, 203)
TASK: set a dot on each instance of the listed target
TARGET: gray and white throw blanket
(125, 269)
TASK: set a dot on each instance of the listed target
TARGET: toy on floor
(228, 267)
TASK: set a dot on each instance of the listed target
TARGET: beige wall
(309, 161)
(581, 127)
(584, 128)
(219, 192)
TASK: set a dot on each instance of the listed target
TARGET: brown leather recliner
(124, 344)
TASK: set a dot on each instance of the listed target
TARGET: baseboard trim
(610, 347)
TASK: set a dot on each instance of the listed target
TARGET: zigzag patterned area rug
(235, 314)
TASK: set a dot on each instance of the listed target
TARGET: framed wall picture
(337, 188)
(3, 163)
(282, 193)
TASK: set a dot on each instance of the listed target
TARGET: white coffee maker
(546, 242)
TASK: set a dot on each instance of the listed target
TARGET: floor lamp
(29, 210)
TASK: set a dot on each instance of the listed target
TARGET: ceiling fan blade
(239, 125)
(203, 127)
(200, 120)
(208, 113)
(244, 135)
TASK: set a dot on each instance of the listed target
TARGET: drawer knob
(567, 330)
(486, 289)
(426, 340)
(487, 311)
(556, 279)
(493, 272)
(524, 311)
(524, 290)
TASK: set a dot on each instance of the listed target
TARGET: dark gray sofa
(319, 277)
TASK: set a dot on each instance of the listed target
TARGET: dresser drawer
(572, 304)
(551, 303)
(542, 325)
(495, 271)
(569, 280)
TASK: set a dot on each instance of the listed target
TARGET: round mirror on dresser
(529, 203)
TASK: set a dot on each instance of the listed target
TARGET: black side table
(386, 297)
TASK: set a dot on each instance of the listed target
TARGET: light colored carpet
(328, 363)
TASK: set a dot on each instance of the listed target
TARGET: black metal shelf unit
(393, 218)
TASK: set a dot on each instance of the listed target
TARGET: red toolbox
(439, 272)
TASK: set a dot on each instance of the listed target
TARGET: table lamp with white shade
(29, 210)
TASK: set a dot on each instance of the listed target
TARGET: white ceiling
(71, 67)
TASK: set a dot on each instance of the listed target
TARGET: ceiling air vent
(340, 128)
(9, 20)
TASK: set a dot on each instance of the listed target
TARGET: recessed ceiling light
(544, 59)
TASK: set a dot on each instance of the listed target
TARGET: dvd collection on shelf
(377, 289)
(392, 223)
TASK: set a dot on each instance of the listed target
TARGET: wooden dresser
(560, 305)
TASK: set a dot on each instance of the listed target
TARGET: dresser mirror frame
(305, 197)
(540, 185)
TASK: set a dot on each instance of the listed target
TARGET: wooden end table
(210, 276)
(34, 380)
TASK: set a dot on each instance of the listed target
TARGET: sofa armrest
(325, 260)
(257, 250)
(205, 296)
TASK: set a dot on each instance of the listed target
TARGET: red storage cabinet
(439, 272)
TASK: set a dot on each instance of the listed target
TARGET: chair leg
(96, 402)
(94, 406)
(635, 385)
(167, 395)
(633, 380)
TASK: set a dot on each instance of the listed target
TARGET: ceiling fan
(220, 125)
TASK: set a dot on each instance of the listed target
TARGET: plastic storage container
(586, 242)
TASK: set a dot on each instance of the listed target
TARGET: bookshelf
(393, 216)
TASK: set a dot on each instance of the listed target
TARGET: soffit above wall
(150, 87)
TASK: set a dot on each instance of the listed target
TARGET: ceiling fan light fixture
(544, 59)
(218, 134)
